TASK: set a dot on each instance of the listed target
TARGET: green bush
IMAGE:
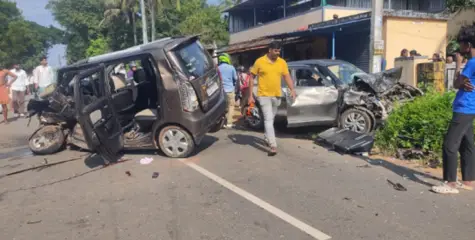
(422, 123)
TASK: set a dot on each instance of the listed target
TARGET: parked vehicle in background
(172, 101)
(337, 93)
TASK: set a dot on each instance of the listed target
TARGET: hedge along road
(303, 187)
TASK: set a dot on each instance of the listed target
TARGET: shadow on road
(248, 140)
(94, 160)
(402, 171)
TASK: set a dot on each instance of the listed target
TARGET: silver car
(336, 93)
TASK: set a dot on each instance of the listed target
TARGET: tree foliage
(458, 5)
(94, 26)
(23, 41)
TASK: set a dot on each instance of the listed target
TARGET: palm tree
(158, 6)
(126, 9)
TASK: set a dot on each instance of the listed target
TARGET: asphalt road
(230, 190)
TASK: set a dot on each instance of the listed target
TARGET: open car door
(96, 114)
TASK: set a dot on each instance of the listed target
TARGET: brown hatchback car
(169, 98)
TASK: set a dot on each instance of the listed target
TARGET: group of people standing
(269, 70)
(16, 83)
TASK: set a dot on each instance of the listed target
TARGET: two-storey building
(334, 29)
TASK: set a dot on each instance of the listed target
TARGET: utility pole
(144, 21)
(376, 41)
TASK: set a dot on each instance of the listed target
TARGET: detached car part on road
(337, 93)
(173, 99)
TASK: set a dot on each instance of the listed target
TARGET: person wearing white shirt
(18, 89)
(43, 75)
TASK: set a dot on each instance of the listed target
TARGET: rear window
(194, 60)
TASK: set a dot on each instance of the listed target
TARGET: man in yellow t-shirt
(270, 69)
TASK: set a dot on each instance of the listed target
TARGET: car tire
(251, 121)
(356, 120)
(175, 142)
(54, 137)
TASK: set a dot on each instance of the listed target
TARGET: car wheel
(356, 120)
(175, 142)
(256, 120)
(47, 140)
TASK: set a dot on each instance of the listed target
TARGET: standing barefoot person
(4, 91)
(460, 135)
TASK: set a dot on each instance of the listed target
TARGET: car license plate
(212, 89)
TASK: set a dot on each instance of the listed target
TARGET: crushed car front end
(379, 93)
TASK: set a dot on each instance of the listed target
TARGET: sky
(35, 10)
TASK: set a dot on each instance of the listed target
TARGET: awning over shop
(340, 24)
(254, 44)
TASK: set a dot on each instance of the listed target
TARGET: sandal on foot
(445, 189)
(460, 185)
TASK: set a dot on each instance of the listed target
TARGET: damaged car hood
(382, 81)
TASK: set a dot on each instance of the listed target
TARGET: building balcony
(293, 23)
(254, 19)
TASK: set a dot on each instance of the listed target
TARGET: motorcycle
(56, 115)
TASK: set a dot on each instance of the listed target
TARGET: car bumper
(201, 123)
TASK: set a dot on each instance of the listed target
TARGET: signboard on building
(338, 21)
(378, 47)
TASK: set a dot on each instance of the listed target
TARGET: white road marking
(261, 203)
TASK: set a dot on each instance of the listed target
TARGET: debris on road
(347, 198)
(33, 222)
(397, 186)
(41, 167)
(155, 175)
(346, 141)
(364, 166)
(146, 160)
(128, 173)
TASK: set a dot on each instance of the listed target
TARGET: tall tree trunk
(152, 19)
(134, 28)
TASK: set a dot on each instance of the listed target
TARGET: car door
(316, 102)
(96, 115)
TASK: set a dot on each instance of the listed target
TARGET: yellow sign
(378, 52)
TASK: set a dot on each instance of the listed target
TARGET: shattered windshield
(345, 72)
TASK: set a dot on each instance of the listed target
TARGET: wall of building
(290, 24)
(425, 36)
(328, 12)
(466, 17)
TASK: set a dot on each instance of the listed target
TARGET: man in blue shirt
(228, 77)
(460, 135)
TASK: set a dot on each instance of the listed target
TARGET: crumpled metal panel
(352, 97)
(382, 81)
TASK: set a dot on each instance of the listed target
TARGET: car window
(194, 60)
(307, 77)
(345, 71)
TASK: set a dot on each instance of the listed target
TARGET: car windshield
(194, 60)
(345, 72)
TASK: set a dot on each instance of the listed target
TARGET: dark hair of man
(275, 45)
(467, 34)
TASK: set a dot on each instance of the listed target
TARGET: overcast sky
(35, 10)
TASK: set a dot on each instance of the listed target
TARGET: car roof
(320, 62)
(166, 44)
